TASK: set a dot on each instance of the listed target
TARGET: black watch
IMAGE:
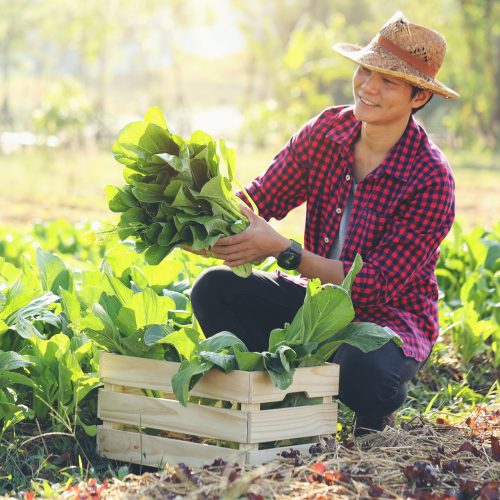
(290, 258)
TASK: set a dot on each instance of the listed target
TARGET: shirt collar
(346, 128)
(398, 161)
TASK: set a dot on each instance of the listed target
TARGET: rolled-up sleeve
(411, 241)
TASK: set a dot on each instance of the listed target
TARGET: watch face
(288, 260)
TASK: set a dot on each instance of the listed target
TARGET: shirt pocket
(371, 226)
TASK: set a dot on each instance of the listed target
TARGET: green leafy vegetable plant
(319, 328)
(176, 193)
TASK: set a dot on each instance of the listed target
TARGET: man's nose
(371, 84)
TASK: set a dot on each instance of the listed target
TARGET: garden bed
(423, 461)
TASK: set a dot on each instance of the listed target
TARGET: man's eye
(391, 82)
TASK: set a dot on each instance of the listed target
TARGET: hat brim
(378, 59)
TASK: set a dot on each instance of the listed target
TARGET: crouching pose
(374, 184)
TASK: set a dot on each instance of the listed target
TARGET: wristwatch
(290, 258)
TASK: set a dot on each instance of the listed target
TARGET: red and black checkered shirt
(402, 211)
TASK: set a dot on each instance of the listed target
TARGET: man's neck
(379, 139)
(373, 145)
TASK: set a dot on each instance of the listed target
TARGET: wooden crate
(127, 412)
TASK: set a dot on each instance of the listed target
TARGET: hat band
(405, 56)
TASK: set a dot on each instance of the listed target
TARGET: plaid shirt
(401, 212)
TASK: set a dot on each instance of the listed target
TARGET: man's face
(382, 99)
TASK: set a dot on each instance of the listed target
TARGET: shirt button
(347, 177)
(326, 240)
(338, 210)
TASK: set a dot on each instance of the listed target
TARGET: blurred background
(72, 73)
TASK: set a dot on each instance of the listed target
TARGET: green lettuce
(176, 191)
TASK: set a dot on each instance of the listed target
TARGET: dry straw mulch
(423, 461)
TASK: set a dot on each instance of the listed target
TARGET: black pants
(372, 384)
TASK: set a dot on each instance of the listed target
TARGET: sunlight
(220, 38)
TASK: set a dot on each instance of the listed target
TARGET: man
(374, 184)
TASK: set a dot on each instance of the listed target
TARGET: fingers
(247, 212)
(231, 240)
(241, 253)
(223, 251)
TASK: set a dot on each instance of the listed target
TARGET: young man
(374, 184)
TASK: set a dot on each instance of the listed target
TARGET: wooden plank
(170, 415)
(255, 457)
(111, 388)
(248, 447)
(155, 374)
(240, 386)
(315, 381)
(132, 447)
(290, 423)
(256, 387)
(137, 372)
(153, 451)
(232, 386)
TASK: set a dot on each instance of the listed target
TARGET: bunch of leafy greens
(176, 194)
(321, 325)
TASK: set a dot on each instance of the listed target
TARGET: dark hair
(414, 91)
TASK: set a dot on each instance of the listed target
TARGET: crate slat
(154, 451)
(170, 415)
(291, 423)
(262, 456)
(126, 447)
(240, 386)
(315, 381)
(136, 372)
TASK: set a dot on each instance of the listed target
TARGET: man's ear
(421, 98)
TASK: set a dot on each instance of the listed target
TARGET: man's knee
(367, 381)
(210, 284)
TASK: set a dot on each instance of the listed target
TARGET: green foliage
(59, 382)
(64, 111)
(320, 326)
(176, 193)
(469, 278)
(54, 316)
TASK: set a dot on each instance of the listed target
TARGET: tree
(481, 32)
(292, 72)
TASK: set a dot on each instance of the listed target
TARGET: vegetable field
(67, 292)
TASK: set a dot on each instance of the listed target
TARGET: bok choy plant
(320, 327)
(176, 193)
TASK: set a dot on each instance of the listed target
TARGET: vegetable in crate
(322, 324)
(176, 194)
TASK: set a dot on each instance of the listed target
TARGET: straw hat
(403, 50)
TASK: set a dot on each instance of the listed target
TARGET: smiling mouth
(367, 102)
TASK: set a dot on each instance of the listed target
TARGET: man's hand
(256, 243)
